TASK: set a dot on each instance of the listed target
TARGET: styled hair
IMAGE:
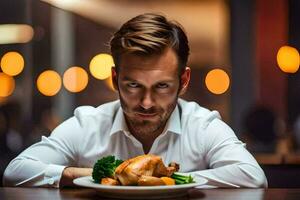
(150, 34)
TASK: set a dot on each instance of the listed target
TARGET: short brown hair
(150, 34)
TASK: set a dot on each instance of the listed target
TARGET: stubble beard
(147, 127)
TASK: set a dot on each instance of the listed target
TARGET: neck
(147, 139)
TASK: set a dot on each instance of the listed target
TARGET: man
(150, 54)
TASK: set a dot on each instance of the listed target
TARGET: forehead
(166, 63)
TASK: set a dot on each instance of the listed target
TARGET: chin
(145, 129)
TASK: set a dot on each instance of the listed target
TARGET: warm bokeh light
(15, 33)
(217, 81)
(7, 85)
(288, 59)
(75, 79)
(49, 83)
(109, 83)
(100, 66)
(12, 63)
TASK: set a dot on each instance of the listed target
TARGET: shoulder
(86, 122)
(90, 114)
(192, 112)
(204, 125)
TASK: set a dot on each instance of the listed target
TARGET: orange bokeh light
(49, 83)
(12, 63)
(288, 59)
(100, 66)
(75, 79)
(7, 85)
(217, 81)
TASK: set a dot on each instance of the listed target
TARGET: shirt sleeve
(42, 164)
(229, 163)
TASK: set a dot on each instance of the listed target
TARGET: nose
(147, 100)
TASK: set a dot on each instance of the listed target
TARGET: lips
(146, 115)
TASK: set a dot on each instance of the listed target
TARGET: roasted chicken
(144, 170)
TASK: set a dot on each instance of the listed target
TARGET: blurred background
(244, 59)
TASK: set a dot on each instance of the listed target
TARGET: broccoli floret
(105, 167)
(182, 179)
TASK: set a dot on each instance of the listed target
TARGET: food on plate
(130, 171)
(143, 170)
(145, 180)
(168, 180)
(105, 167)
(109, 181)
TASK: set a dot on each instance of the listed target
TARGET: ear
(185, 80)
(114, 77)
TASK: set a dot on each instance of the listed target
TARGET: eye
(133, 85)
(162, 85)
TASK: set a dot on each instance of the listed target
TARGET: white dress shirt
(194, 137)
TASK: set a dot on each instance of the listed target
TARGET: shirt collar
(173, 124)
(119, 123)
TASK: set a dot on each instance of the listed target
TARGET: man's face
(148, 89)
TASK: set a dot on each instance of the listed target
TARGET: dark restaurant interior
(244, 61)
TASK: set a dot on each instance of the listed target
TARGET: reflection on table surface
(7, 193)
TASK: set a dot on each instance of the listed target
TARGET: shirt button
(51, 181)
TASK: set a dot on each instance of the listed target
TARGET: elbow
(260, 181)
(10, 175)
(255, 176)
(8, 178)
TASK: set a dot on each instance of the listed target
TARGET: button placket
(157, 142)
(135, 142)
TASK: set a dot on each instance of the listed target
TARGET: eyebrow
(126, 78)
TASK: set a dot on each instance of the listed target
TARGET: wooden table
(7, 193)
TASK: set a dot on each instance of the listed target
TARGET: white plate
(138, 192)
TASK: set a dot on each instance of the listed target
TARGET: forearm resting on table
(235, 175)
(71, 173)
